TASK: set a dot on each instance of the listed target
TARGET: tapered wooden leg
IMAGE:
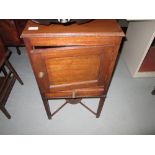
(4, 71)
(18, 50)
(8, 64)
(47, 107)
(100, 106)
(5, 112)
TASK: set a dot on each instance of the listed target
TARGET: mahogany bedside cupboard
(73, 62)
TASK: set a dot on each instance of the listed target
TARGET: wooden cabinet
(73, 62)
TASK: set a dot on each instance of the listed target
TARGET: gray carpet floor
(129, 107)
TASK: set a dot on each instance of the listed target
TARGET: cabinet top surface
(98, 27)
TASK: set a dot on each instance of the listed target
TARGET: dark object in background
(10, 31)
(8, 78)
(124, 25)
(153, 92)
(61, 21)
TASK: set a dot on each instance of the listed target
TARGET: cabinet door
(76, 67)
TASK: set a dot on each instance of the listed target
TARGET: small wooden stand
(73, 62)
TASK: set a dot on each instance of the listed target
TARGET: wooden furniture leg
(7, 80)
(100, 106)
(8, 64)
(18, 51)
(5, 112)
(72, 101)
(47, 107)
(4, 71)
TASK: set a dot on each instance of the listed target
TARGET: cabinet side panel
(114, 57)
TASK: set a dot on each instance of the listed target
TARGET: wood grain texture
(72, 40)
(73, 67)
(82, 92)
